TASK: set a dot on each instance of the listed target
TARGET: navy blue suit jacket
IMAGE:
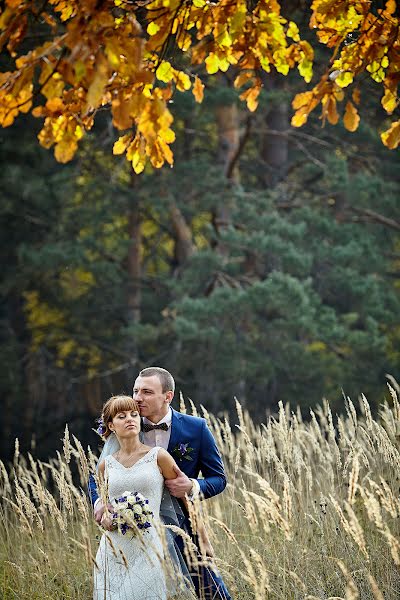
(206, 459)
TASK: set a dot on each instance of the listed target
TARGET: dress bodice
(144, 477)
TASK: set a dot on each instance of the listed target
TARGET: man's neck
(157, 418)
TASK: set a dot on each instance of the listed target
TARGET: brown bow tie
(149, 427)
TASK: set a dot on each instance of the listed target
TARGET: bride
(132, 567)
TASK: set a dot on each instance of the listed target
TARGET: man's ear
(169, 395)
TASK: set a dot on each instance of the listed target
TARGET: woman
(133, 567)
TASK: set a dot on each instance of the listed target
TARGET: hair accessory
(101, 429)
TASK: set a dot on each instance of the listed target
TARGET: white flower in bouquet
(131, 513)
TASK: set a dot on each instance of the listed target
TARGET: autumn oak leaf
(198, 90)
(121, 144)
(351, 117)
(165, 72)
(391, 137)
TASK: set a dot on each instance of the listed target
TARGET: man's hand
(179, 486)
(99, 511)
(106, 521)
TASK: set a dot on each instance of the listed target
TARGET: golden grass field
(311, 510)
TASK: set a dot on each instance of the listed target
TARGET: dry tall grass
(311, 511)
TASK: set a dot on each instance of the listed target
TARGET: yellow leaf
(316, 346)
(165, 72)
(99, 82)
(64, 151)
(344, 79)
(212, 63)
(153, 28)
(351, 117)
(224, 64)
(306, 69)
(138, 162)
(299, 118)
(293, 32)
(166, 151)
(168, 135)
(182, 81)
(389, 100)
(6, 17)
(112, 51)
(136, 154)
(221, 36)
(198, 89)
(391, 137)
(121, 144)
(251, 97)
(80, 70)
(199, 3)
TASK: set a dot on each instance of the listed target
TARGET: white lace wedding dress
(132, 568)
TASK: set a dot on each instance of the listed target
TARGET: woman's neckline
(135, 463)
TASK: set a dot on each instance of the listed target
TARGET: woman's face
(126, 423)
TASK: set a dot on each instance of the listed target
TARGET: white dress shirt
(159, 437)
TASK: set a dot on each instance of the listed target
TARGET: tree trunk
(275, 147)
(227, 117)
(134, 266)
(183, 237)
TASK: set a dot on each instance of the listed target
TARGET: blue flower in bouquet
(131, 512)
(182, 451)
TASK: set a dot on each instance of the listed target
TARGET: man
(191, 443)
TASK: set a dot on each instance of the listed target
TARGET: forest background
(263, 265)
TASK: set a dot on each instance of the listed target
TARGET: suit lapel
(176, 431)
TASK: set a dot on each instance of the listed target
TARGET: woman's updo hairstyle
(112, 407)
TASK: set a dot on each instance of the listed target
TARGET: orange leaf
(390, 7)
(198, 90)
(302, 99)
(356, 96)
(121, 108)
(331, 110)
(351, 117)
(243, 78)
(99, 82)
(391, 137)
(251, 97)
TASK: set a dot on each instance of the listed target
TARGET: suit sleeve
(211, 465)
(92, 490)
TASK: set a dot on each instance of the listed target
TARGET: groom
(193, 446)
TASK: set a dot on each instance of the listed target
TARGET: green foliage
(286, 289)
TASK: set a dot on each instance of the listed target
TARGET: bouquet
(131, 512)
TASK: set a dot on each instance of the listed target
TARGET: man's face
(153, 402)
